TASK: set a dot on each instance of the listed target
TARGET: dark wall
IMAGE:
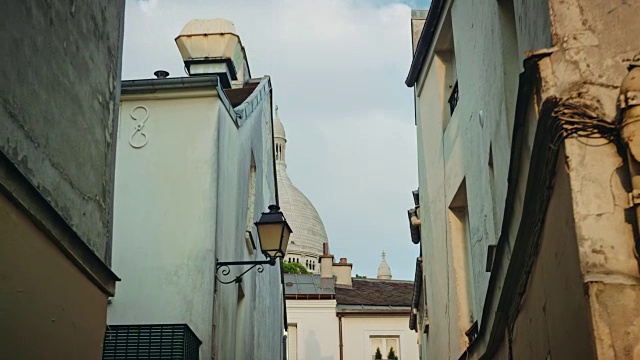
(59, 92)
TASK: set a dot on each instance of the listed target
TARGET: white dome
(278, 128)
(308, 230)
(309, 233)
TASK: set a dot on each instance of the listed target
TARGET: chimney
(212, 47)
(326, 269)
(418, 17)
(343, 272)
(161, 74)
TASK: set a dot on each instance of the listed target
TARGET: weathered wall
(590, 43)
(317, 326)
(356, 332)
(250, 327)
(49, 310)
(594, 42)
(477, 135)
(58, 105)
(554, 313)
(181, 202)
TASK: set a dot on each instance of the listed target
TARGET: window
(460, 249)
(293, 341)
(445, 55)
(385, 344)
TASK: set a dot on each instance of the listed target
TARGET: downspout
(629, 114)
(340, 335)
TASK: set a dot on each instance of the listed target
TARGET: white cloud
(337, 69)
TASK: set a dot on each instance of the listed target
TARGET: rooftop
(376, 292)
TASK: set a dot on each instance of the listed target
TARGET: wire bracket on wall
(138, 138)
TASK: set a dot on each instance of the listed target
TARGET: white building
(195, 168)
(335, 316)
(307, 241)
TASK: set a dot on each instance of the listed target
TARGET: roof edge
(424, 43)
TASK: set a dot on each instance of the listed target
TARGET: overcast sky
(337, 69)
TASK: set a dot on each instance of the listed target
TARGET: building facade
(59, 93)
(526, 230)
(195, 169)
(334, 316)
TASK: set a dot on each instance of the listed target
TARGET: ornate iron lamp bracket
(226, 268)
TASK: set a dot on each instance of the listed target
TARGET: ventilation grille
(174, 341)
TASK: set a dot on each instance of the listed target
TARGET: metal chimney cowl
(212, 47)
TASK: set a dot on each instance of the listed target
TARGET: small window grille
(167, 341)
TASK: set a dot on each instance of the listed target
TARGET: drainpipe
(340, 334)
(629, 114)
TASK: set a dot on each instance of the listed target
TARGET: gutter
(425, 41)
(273, 155)
(153, 85)
(340, 335)
(373, 312)
(146, 86)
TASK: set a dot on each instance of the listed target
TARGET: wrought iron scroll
(225, 270)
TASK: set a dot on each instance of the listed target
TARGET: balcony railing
(453, 98)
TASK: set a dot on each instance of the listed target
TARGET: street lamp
(273, 235)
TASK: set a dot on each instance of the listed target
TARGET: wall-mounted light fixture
(273, 234)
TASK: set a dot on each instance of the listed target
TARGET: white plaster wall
(181, 202)
(356, 333)
(317, 328)
(165, 207)
(461, 152)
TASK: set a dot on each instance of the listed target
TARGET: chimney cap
(343, 260)
(161, 74)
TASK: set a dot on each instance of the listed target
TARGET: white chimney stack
(212, 47)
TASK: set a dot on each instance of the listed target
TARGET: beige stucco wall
(48, 308)
(554, 314)
(317, 327)
(357, 330)
(594, 42)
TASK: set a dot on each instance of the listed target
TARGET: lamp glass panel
(285, 238)
(270, 237)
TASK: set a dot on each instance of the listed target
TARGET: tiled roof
(376, 292)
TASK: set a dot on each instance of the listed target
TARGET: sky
(337, 68)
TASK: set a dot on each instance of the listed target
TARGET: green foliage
(392, 354)
(294, 268)
(360, 276)
(378, 354)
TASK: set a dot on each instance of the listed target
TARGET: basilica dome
(309, 235)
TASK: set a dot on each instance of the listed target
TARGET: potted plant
(378, 354)
(392, 354)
